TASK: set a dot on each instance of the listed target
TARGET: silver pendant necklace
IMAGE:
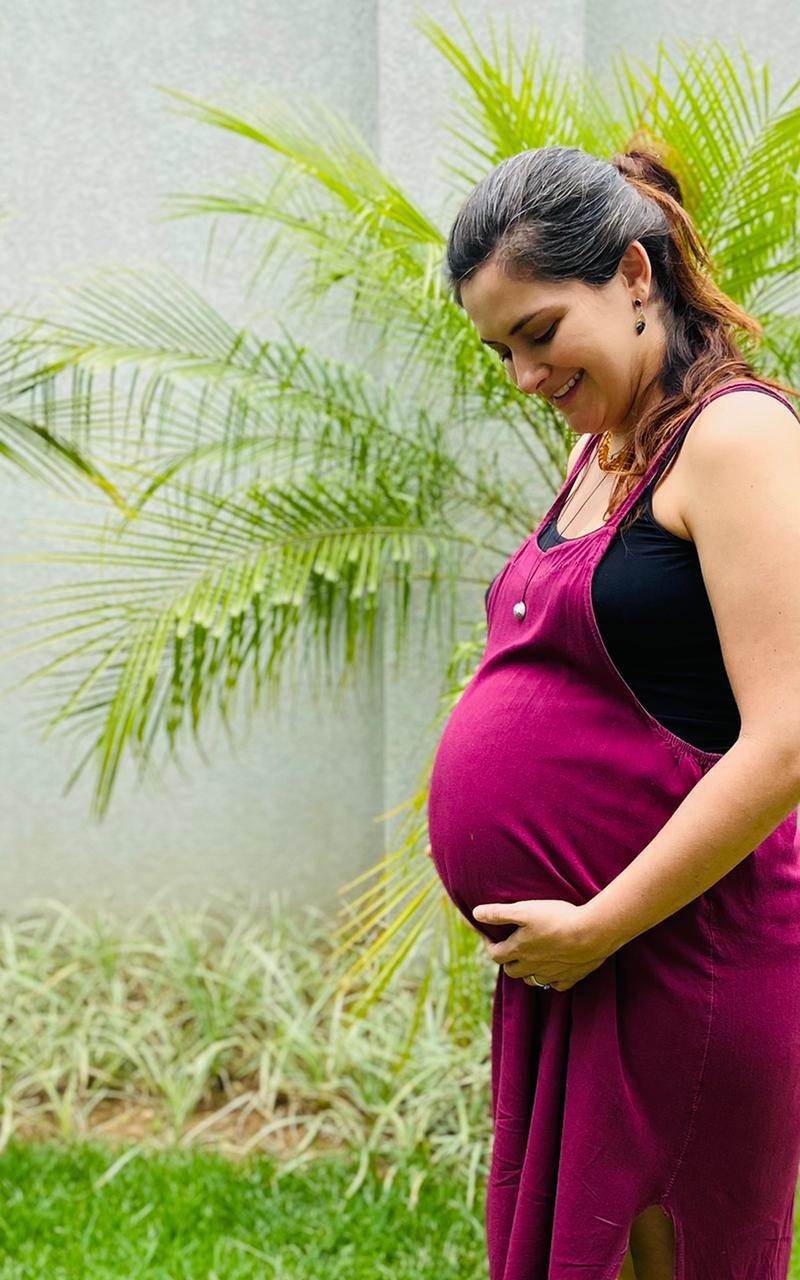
(520, 608)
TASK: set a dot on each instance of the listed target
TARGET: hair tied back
(642, 167)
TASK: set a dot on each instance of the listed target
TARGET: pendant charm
(519, 610)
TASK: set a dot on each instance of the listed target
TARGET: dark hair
(559, 213)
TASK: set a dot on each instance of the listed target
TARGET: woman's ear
(636, 271)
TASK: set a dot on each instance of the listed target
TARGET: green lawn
(189, 1216)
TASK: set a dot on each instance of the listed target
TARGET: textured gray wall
(93, 149)
(90, 149)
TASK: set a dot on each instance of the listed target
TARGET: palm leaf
(32, 446)
(195, 598)
(514, 99)
(737, 156)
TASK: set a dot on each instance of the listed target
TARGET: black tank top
(655, 619)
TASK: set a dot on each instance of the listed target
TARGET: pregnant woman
(613, 800)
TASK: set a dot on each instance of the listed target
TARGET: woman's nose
(530, 375)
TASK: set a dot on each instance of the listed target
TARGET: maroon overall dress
(670, 1075)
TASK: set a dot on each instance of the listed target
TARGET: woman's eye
(547, 336)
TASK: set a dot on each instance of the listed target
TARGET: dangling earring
(640, 323)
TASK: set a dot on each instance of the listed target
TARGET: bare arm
(741, 509)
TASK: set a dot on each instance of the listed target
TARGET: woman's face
(545, 333)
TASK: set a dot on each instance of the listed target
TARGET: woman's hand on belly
(551, 942)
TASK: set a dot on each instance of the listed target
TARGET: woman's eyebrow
(517, 326)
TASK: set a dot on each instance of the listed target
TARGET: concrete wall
(90, 148)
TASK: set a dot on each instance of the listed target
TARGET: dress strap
(662, 459)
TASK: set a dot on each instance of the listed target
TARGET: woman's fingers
(428, 851)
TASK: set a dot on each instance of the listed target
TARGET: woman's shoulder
(737, 441)
(735, 432)
(748, 414)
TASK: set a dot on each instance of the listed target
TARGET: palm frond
(515, 99)
(230, 405)
(779, 353)
(196, 388)
(736, 154)
(200, 594)
(326, 188)
(357, 232)
(36, 448)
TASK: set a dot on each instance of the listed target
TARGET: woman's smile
(570, 395)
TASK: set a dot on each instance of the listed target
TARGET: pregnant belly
(537, 793)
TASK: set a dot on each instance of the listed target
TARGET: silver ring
(531, 981)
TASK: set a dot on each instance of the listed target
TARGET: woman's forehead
(492, 296)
